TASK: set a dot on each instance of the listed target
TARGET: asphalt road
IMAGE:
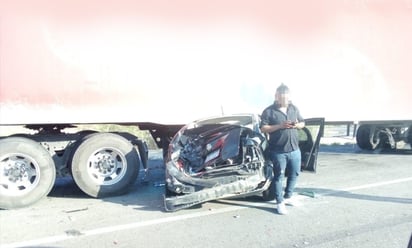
(354, 200)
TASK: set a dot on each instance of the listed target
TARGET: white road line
(364, 186)
(372, 185)
(97, 231)
(109, 229)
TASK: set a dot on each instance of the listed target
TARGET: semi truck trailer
(156, 65)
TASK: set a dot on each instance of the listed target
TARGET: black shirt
(283, 140)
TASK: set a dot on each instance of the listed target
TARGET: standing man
(281, 121)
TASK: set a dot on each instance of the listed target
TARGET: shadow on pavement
(316, 192)
(353, 148)
(145, 194)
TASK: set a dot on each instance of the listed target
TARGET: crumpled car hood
(215, 161)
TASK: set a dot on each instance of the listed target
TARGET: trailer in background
(372, 135)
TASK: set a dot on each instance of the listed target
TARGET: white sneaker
(293, 201)
(281, 208)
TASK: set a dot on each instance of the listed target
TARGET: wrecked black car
(224, 157)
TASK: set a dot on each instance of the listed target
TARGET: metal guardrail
(351, 126)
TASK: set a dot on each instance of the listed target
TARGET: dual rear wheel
(102, 165)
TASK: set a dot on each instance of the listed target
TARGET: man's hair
(282, 89)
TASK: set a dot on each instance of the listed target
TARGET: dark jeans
(291, 163)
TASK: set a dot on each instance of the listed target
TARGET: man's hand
(288, 124)
(284, 125)
(292, 124)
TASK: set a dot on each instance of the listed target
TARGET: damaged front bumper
(194, 191)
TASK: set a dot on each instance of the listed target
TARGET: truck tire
(364, 139)
(409, 136)
(105, 164)
(27, 172)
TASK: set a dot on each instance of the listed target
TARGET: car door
(309, 141)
